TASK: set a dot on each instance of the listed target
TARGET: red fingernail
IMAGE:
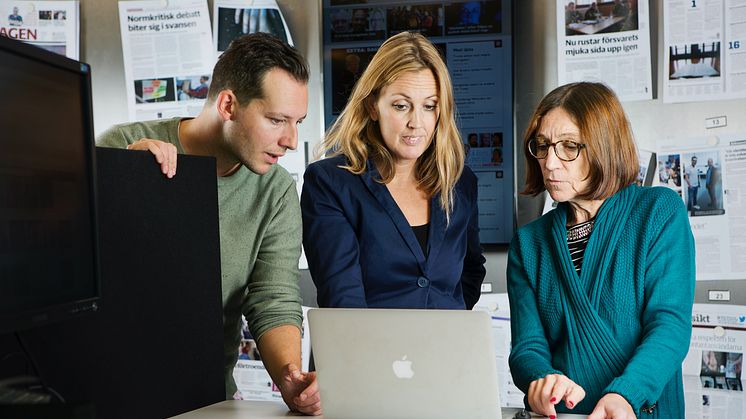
(570, 404)
(552, 400)
(552, 417)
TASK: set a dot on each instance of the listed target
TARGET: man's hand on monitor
(300, 390)
(165, 153)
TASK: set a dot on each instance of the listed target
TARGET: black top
(577, 240)
(421, 233)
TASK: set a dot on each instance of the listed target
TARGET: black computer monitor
(48, 235)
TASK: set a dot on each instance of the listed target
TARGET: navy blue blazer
(362, 252)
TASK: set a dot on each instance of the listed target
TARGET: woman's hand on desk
(612, 406)
(545, 393)
(300, 390)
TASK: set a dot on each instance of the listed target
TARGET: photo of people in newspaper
(415, 18)
(348, 65)
(473, 17)
(52, 17)
(608, 17)
(192, 87)
(693, 61)
(669, 171)
(721, 370)
(703, 180)
(484, 148)
(358, 24)
(234, 22)
(15, 19)
(484, 139)
(248, 350)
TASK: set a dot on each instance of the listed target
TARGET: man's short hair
(243, 65)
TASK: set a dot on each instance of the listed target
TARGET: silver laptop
(375, 363)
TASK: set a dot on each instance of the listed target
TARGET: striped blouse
(577, 240)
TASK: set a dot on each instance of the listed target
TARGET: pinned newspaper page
(646, 159)
(52, 25)
(606, 42)
(168, 58)
(713, 380)
(234, 18)
(709, 173)
(705, 54)
(252, 379)
(499, 310)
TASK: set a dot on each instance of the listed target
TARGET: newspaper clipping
(704, 48)
(710, 176)
(52, 25)
(607, 42)
(499, 310)
(713, 383)
(234, 18)
(252, 379)
(168, 58)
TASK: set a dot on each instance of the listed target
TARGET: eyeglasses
(565, 150)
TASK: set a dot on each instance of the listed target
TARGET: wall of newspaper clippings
(607, 44)
(52, 25)
(169, 50)
(653, 122)
(713, 380)
(167, 57)
(698, 154)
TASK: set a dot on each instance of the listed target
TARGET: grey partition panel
(154, 349)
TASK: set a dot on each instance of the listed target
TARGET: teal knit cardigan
(623, 325)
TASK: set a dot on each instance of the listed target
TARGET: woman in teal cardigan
(601, 288)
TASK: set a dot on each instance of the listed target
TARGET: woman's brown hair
(604, 129)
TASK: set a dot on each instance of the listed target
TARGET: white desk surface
(236, 409)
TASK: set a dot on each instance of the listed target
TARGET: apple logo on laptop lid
(402, 368)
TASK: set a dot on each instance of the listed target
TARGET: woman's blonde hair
(356, 136)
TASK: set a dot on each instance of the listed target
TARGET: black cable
(27, 354)
(35, 370)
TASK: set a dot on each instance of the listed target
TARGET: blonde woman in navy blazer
(390, 217)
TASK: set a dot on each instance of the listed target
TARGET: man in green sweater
(258, 96)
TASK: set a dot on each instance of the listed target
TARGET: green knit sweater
(260, 237)
(623, 325)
